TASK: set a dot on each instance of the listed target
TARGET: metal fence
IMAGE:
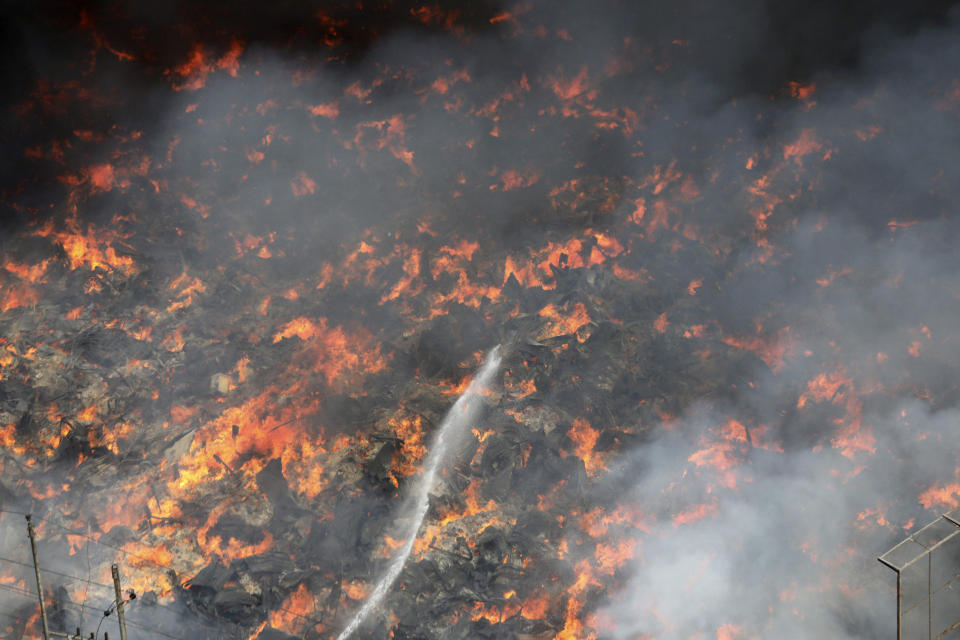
(928, 581)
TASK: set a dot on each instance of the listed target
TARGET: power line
(26, 593)
(32, 594)
(56, 573)
(157, 631)
(86, 592)
(80, 534)
(80, 607)
(17, 617)
(104, 544)
(128, 553)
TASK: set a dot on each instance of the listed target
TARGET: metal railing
(928, 581)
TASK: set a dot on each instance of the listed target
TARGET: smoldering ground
(258, 154)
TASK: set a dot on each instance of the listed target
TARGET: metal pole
(36, 569)
(899, 605)
(116, 589)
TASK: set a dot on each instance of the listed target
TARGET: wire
(109, 546)
(57, 573)
(32, 594)
(97, 632)
(86, 592)
(125, 552)
(85, 536)
(23, 592)
(18, 617)
(26, 593)
(157, 631)
(137, 623)
(80, 607)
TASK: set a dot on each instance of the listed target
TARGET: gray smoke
(789, 551)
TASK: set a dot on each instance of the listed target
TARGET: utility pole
(116, 589)
(36, 569)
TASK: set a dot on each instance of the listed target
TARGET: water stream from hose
(456, 421)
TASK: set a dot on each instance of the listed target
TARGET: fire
(694, 514)
(661, 323)
(518, 179)
(560, 324)
(186, 289)
(836, 387)
(297, 606)
(356, 590)
(719, 456)
(231, 549)
(284, 272)
(329, 110)
(300, 327)
(806, 144)
(92, 248)
(826, 387)
(33, 273)
(585, 438)
(142, 555)
(852, 436)
(470, 520)
(491, 614)
(101, 177)
(728, 632)
(537, 269)
(771, 350)
(411, 270)
(305, 461)
(610, 557)
(110, 438)
(124, 511)
(194, 71)
(392, 137)
(570, 89)
(945, 497)
(536, 606)
(520, 389)
(466, 293)
(413, 449)
(250, 427)
(873, 517)
(333, 351)
(802, 91)
(18, 296)
(302, 185)
(572, 626)
(597, 522)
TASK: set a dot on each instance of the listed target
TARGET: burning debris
(248, 270)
